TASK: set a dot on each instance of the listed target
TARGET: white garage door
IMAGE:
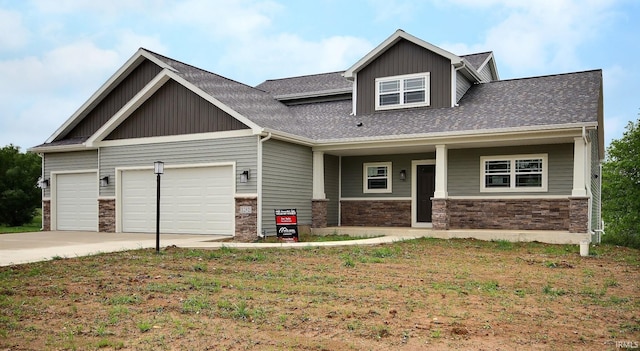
(195, 200)
(76, 201)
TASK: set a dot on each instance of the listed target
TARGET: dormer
(407, 72)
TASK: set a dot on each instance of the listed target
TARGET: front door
(425, 187)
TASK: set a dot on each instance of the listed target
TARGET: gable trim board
(287, 126)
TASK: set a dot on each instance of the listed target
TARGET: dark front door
(426, 185)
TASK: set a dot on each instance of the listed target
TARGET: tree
(19, 195)
(621, 189)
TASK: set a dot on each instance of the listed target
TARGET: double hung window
(402, 91)
(513, 173)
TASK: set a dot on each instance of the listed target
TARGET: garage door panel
(76, 201)
(193, 200)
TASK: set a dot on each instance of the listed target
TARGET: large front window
(377, 177)
(514, 173)
(402, 91)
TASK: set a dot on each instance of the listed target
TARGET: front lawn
(413, 295)
(34, 226)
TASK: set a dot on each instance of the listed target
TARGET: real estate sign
(287, 224)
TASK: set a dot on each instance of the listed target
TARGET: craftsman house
(410, 136)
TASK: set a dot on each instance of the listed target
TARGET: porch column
(441, 172)
(579, 164)
(318, 175)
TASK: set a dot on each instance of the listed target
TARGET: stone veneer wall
(579, 218)
(46, 215)
(509, 214)
(107, 215)
(319, 213)
(376, 213)
(246, 223)
(439, 214)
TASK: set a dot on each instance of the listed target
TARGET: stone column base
(440, 214)
(246, 219)
(46, 215)
(319, 213)
(578, 214)
(107, 215)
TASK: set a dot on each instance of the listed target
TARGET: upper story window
(377, 177)
(409, 90)
(514, 173)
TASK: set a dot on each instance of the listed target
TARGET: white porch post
(318, 175)
(441, 172)
(579, 164)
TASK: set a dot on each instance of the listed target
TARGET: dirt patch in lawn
(415, 295)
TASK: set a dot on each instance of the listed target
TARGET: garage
(194, 200)
(76, 197)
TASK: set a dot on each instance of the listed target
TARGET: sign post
(287, 224)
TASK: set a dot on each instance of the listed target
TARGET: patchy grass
(419, 294)
(304, 238)
(34, 226)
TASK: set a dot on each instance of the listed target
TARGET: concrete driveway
(41, 246)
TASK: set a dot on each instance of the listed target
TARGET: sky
(54, 54)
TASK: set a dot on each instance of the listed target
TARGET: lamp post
(158, 169)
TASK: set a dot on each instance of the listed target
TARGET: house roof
(306, 86)
(535, 102)
(477, 60)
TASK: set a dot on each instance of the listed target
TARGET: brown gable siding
(114, 101)
(405, 58)
(175, 110)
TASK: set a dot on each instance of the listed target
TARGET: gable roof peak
(392, 40)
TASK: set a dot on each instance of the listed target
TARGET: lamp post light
(158, 169)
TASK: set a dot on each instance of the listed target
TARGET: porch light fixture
(244, 176)
(403, 175)
(104, 181)
(158, 169)
(43, 183)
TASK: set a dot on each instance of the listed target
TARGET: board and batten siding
(175, 110)
(464, 169)
(331, 188)
(118, 97)
(405, 57)
(352, 174)
(287, 182)
(241, 150)
(462, 85)
(69, 161)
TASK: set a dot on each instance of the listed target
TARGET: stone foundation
(578, 214)
(46, 215)
(376, 213)
(107, 215)
(319, 213)
(440, 214)
(246, 220)
(509, 214)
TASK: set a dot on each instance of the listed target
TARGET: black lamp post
(158, 169)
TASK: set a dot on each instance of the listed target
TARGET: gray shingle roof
(306, 85)
(476, 60)
(539, 101)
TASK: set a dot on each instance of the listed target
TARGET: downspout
(259, 185)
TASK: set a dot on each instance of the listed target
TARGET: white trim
(390, 41)
(177, 138)
(365, 177)
(512, 173)
(442, 167)
(106, 197)
(318, 176)
(374, 198)
(579, 167)
(53, 196)
(132, 63)
(510, 197)
(245, 196)
(401, 79)
(414, 192)
(354, 94)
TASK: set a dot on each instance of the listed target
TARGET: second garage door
(196, 200)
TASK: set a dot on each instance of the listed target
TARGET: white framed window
(411, 90)
(377, 177)
(513, 173)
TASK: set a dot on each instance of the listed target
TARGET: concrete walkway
(42, 246)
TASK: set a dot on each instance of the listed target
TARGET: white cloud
(13, 33)
(536, 35)
(130, 42)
